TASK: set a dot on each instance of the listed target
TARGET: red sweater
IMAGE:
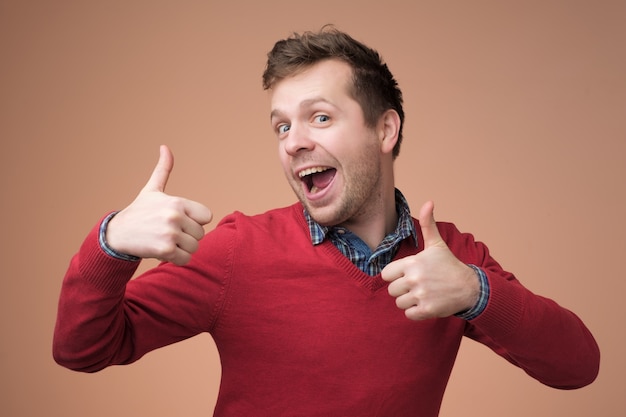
(302, 331)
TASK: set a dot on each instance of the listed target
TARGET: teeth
(310, 171)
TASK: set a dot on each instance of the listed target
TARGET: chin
(324, 216)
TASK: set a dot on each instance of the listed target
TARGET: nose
(298, 140)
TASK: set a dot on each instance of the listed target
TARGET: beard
(361, 194)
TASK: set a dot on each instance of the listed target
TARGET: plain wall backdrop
(516, 127)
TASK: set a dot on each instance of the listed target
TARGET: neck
(375, 224)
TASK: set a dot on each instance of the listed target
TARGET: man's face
(330, 157)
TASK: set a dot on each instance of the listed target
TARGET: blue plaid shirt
(372, 262)
(356, 250)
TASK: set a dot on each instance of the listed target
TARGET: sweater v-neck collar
(371, 283)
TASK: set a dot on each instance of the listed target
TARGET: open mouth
(317, 178)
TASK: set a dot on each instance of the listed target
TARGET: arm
(549, 342)
(90, 328)
(105, 318)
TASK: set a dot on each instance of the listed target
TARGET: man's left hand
(432, 283)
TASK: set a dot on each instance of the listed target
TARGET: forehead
(328, 80)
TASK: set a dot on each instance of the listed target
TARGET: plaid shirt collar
(404, 229)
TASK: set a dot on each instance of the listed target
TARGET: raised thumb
(428, 225)
(162, 170)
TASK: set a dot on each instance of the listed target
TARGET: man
(305, 303)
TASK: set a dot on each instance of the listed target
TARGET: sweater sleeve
(549, 342)
(105, 317)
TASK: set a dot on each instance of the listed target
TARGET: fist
(433, 283)
(157, 225)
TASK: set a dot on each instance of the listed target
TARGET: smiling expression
(330, 157)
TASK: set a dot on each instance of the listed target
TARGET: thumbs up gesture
(433, 283)
(157, 225)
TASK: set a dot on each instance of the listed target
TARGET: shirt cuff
(483, 296)
(106, 248)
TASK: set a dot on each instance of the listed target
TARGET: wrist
(105, 246)
(481, 297)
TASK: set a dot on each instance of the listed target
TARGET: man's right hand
(157, 225)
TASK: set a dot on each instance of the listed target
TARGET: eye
(321, 118)
(284, 128)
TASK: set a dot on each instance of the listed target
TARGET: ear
(388, 129)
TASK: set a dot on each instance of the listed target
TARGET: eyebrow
(303, 104)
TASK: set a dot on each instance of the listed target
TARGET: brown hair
(374, 87)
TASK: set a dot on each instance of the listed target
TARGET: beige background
(515, 127)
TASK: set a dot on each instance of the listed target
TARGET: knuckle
(418, 292)
(412, 315)
(181, 259)
(166, 248)
(176, 202)
(413, 279)
(426, 310)
(172, 210)
(172, 215)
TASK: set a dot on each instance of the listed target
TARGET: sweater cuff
(505, 308)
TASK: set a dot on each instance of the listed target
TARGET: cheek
(356, 147)
(284, 160)
(282, 155)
